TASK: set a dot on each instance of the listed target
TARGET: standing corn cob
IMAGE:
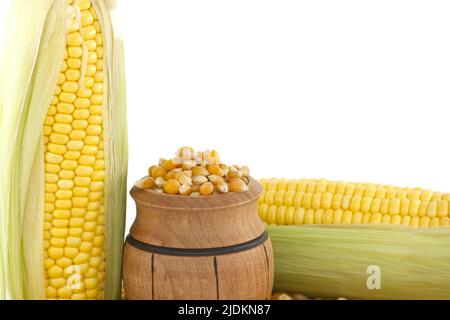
(286, 202)
(66, 138)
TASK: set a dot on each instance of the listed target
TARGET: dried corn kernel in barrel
(214, 179)
(157, 172)
(199, 180)
(146, 183)
(185, 190)
(238, 185)
(171, 187)
(200, 171)
(187, 174)
(207, 188)
(222, 187)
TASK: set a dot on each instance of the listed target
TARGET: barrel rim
(146, 197)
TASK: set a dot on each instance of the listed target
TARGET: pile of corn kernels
(192, 173)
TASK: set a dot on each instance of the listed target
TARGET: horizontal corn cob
(304, 201)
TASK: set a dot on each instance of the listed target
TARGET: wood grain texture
(245, 275)
(198, 223)
(137, 273)
(268, 251)
(184, 278)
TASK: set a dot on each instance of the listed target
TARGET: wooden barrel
(212, 247)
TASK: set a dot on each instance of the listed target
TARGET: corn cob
(327, 236)
(72, 163)
(286, 202)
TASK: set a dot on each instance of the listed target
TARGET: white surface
(352, 90)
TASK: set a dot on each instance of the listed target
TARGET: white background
(351, 90)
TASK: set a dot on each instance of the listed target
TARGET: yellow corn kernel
(394, 206)
(272, 184)
(376, 217)
(298, 199)
(55, 271)
(262, 210)
(51, 292)
(217, 170)
(327, 200)
(346, 201)
(309, 217)
(355, 203)
(85, 93)
(206, 189)
(426, 196)
(359, 190)
(321, 186)
(386, 219)
(237, 185)
(337, 201)
(299, 216)
(406, 220)
(55, 252)
(414, 222)
(279, 197)
(370, 191)
(423, 208)
(444, 222)
(307, 200)
(318, 216)
(289, 198)
(391, 194)
(337, 216)
(385, 205)
(434, 223)
(380, 193)
(396, 219)
(347, 217)
(366, 218)
(350, 189)
(432, 209)
(311, 186)
(292, 185)
(404, 206)
(301, 186)
(80, 202)
(442, 208)
(316, 200)
(290, 213)
(357, 218)
(366, 204)
(269, 196)
(327, 217)
(73, 75)
(281, 215)
(59, 138)
(425, 221)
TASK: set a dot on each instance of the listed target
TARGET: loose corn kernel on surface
(192, 173)
(286, 202)
(74, 237)
(295, 296)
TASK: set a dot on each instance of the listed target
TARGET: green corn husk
(332, 261)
